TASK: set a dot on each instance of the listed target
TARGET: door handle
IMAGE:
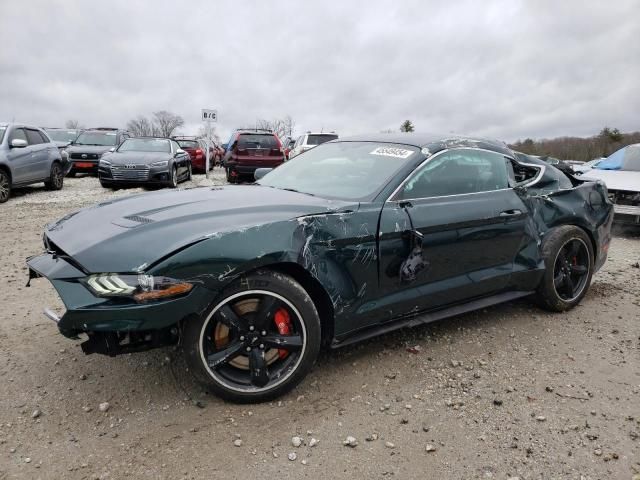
(511, 213)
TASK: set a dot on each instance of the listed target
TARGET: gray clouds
(501, 69)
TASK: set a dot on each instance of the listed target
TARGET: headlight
(104, 163)
(162, 163)
(141, 288)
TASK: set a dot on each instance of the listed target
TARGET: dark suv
(250, 149)
(86, 150)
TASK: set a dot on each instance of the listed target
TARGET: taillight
(198, 153)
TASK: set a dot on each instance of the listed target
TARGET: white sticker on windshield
(392, 152)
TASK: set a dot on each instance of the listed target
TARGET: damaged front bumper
(88, 313)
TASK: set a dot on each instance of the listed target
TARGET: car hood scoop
(129, 233)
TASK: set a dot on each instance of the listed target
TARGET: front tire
(5, 186)
(56, 178)
(173, 180)
(569, 258)
(258, 340)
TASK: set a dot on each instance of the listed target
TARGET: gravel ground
(510, 391)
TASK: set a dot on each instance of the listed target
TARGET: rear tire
(569, 258)
(5, 186)
(230, 179)
(255, 360)
(56, 178)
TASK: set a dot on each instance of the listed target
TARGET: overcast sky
(505, 70)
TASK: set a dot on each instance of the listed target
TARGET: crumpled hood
(130, 233)
(139, 158)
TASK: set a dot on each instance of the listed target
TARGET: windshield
(145, 145)
(2, 130)
(188, 143)
(104, 139)
(318, 139)
(345, 170)
(62, 135)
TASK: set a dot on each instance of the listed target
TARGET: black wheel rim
(571, 269)
(5, 188)
(245, 349)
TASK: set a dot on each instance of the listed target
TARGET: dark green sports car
(349, 240)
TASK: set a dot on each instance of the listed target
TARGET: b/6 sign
(209, 115)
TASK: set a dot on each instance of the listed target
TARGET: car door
(20, 160)
(450, 233)
(40, 153)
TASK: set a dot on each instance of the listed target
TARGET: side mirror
(261, 172)
(112, 149)
(18, 143)
(179, 151)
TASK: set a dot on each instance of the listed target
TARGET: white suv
(309, 140)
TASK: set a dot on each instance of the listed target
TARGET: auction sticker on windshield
(392, 152)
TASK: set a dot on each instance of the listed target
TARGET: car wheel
(258, 340)
(568, 258)
(189, 173)
(173, 182)
(230, 179)
(56, 178)
(5, 186)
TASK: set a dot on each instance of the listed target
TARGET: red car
(197, 151)
(250, 149)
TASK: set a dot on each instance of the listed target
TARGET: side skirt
(423, 318)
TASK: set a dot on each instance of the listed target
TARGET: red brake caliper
(283, 323)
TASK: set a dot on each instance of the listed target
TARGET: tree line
(603, 144)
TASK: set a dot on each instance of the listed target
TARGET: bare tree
(407, 126)
(282, 127)
(166, 122)
(211, 135)
(141, 127)
(73, 124)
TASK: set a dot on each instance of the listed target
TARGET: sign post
(208, 116)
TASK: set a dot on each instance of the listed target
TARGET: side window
(45, 137)
(18, 133)
(34, 137)
(458, 172)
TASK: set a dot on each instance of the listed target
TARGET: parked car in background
(310, 140)
(145, 161)
(91, 145)
(63, 137)
(27, 156)
(351, 240)
(586, 166)
(620, 172)
(250, 149)
(287, 146)
(197, 150)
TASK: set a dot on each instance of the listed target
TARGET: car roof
(422, 140)
(19, 125)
